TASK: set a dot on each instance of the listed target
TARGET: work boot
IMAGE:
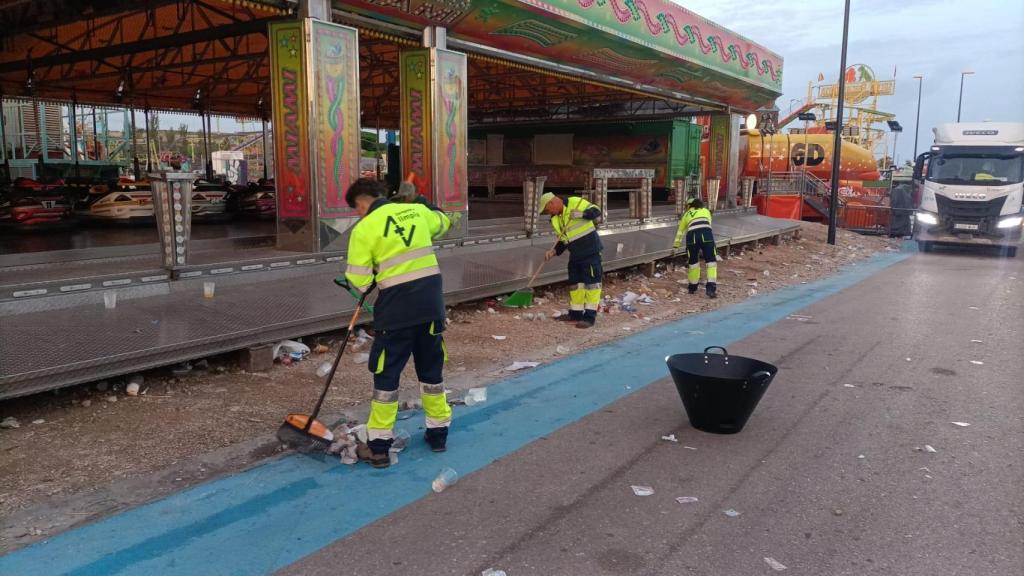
(437, 438)
(712, 290)
(585, 324)
(375, 459)
(692, 288)
(567, 317)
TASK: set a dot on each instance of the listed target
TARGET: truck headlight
(1011, 222)
(927, 218)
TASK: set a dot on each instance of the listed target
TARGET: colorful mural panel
(335, 63)
(292, 147)
(450, 130)
(416, 118)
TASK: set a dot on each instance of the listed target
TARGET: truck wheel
(924, 246)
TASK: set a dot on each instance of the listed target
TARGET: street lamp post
(833, 209)
(917, 123)
(960, 101)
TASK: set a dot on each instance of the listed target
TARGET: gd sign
(812, 154)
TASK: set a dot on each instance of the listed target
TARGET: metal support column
(3, 140)
(172, 203)
(264, 122)
(73, 125)
(679, 195)
(149, 158)
(135, 153)
(646, 196)
(748, 191)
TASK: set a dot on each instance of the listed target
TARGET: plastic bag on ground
(290, 347)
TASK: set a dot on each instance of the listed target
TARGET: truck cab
(969, 187)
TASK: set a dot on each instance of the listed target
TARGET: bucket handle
(761, 377)
(722, 348)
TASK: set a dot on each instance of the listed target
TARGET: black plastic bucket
(719, 391)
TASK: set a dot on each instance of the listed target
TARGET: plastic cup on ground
(208, 290)
(446, 478)
(476, 396)
(401, 439)
(110, 299)
(323, 369)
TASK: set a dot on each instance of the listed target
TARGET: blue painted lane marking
(263, 519)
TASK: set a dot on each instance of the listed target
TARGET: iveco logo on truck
(970, 187)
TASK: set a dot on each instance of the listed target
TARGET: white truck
(969, 187)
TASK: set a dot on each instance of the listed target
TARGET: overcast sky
(935, 38)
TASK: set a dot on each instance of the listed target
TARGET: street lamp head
(919, 76)
(967, 72)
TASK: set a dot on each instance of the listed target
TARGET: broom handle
(539, 268)
(337, 360)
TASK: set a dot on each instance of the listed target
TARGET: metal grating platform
(50, 348)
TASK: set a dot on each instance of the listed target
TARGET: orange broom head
(298, 421)
(411, 178)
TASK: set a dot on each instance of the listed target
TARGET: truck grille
(984, 214)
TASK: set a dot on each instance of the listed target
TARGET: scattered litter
(686, 499)
(627, 328)
(39, 421)
(929, 449)
(539, 301)
(642, 490)
(695, 332)
(767, 274)
(111, 399)
(670, 438)
(909, 360)
(361, 358)
(977, 362)
(517, 365)
(86, 403)
(491, 311)
(321, 349)
(493, 572)
(475, 396)
(775, 564)
(860, 456)
(556, 314)
(973, 308)
(446, 478)
(657, 274)
(837, 512)
(799, 317)
(498, 338)
(850, 386)
(689, 447)
(290, 347)
(324, 369)
(976, 342)
(962, 424)
(752, 292)
(562, 350)
(732, 513)
(132, 389)
(10, 423)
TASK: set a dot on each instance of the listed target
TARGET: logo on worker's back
(393, 225)
(812, 154)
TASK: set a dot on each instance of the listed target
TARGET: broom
(304, 433)
(523, 298)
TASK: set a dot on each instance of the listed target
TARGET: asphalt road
(828, 479)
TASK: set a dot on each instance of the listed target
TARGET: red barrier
(780, 206)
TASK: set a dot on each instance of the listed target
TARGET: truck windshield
(976, 169)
